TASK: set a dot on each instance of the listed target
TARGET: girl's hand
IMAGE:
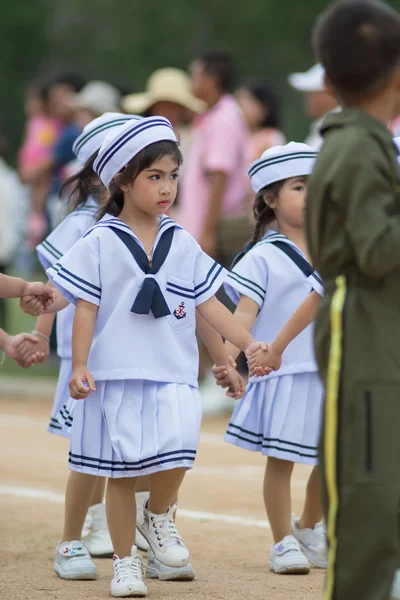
(236, 385)
(220, 373)
(253, 348)
(31, 350)
(81, 383)
(264, 362)
(36, 298)
(14, 342)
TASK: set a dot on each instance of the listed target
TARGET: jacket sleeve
(373, 212)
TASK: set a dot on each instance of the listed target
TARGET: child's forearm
(222, 320)
(11, 287)
(44, 324)
(212, 340)
(246, 320)
(83, 331)
(303, 317)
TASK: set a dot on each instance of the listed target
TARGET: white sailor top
(316, 283)
(270, 278)
(145, 326)
(52, 249)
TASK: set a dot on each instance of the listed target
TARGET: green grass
(19, 321)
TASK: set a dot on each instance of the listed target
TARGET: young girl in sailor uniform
(137, 280)
(280, 414)
(75, 564)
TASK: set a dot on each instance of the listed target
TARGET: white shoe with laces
(165, 541)
(156, 570)
(313, 543)
(287, 558)
(73, 561)
(95, 532)
(128, 576)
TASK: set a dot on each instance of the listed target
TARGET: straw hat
(164, 85)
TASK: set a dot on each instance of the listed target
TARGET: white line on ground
(194, 515)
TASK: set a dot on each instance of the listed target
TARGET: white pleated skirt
(129, 428)
(63, 405)
(280, 417)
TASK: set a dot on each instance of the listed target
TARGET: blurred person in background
(41, 133)
(61, 90)
(262, 111)
(94, 99)
(168, 95)
(318, 101)
(14, 209)
(214, 184)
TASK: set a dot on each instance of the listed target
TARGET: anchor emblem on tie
(180, 312)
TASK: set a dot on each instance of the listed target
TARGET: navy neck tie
(150, 296)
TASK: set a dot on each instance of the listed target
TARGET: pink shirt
(41, 135)
(220, 142)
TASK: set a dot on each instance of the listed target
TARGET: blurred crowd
(222, 129)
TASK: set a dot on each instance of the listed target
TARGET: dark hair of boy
(358, 43)
(221, 65)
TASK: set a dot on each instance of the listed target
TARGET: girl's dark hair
(115, 202)
(266, 95)
(264, 215)
(81, 185)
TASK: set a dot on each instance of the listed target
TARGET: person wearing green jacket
(353, 232)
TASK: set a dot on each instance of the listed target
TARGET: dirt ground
(222, 519)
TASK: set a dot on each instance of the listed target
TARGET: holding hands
(16, 343)
(263, 360)
(36, 298)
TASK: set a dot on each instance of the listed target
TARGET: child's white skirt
(280, 417)
(63, 405)
(129, 428)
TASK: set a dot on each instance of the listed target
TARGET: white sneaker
(287, 558)
(164, 539)
(313, 543)
(141, 500)
(73, 561)
(156, 570)
(95, 534)
(128, 576)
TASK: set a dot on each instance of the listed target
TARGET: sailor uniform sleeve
(208, 277)
(77, 274)
(53, 248)
(248, 278)
(316, 283)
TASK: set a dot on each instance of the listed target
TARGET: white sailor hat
(123, 144)
(95, 132)
(281, 162)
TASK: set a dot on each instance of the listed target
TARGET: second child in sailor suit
(137, 280)
(280, 414)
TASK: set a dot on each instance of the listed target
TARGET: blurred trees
(125, 40)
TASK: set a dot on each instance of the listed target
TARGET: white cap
(121, 145)
(98, 97)
(310, 81)
(282, 162)
(90, 140)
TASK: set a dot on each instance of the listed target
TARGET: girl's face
(290, 204)
(154, 190)
(253, 110)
